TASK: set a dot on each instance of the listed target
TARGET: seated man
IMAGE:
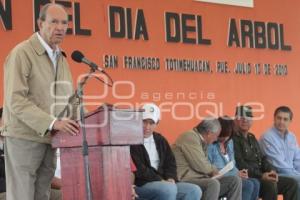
(221, 152)
(193, 166)
(249, 156)
(155, 163)
(281, 146)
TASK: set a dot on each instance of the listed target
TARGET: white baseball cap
(151, 112)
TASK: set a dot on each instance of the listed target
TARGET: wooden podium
(110, 131)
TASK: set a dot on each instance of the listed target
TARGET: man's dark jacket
(249, 156)
(167, 164)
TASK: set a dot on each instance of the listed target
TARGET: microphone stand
(85, 147)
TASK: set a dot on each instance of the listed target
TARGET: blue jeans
(250, 189)
(188, 191)
(158, 190)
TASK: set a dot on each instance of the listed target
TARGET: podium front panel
(109, 171)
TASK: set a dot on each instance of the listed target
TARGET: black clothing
(167, 164)
(286, 186)
(249, 156)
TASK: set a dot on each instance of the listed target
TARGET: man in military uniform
(249, 156)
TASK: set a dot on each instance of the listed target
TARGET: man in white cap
(156, 165)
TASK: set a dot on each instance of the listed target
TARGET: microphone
(77, 56)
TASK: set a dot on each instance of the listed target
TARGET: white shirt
(150, 146)
(53, 55)
(226, 156)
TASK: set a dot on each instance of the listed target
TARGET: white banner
(244, 3)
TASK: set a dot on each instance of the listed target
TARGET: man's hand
(274, 175)
(133, 193)
(270, 176)
(56, 183)
(243, 173)
(171, 180)
(66, 126)
(214, 173)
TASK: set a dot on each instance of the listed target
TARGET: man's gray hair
(209, 125)
(44, 9)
